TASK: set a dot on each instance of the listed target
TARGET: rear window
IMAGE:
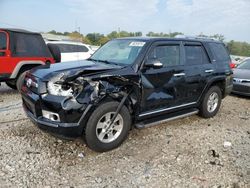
(3, 41)
(71, 48)
(28, 45)
(219, 51)
(195, 55)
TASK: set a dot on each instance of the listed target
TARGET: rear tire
(101, 139)
(11, 84)
(211, 102)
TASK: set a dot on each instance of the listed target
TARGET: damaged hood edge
(71, 69)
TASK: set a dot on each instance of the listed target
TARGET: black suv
(130, 81)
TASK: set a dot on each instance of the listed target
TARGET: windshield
(120, 52)
(244, 65)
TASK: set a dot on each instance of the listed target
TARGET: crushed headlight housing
(57, 86)
(59, 89)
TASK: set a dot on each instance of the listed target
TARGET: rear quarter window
(219, 51)
(195, 55)
(71, 48)
(28, 45)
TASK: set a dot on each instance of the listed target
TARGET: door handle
(209, 71)
(179, 74)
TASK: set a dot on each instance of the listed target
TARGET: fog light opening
(54, 117)
(51, 115)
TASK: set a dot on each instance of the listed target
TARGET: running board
(143, 125)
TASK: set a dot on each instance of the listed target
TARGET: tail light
(232, 65)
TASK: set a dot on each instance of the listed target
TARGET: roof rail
(195, 37)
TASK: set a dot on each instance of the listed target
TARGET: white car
(73, 51)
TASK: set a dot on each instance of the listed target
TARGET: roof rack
(195, 37)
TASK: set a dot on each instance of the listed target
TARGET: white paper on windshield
(137, 44)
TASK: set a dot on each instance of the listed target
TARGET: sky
(230, 18)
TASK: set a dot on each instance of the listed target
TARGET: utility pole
(79, 30)
(119, 32)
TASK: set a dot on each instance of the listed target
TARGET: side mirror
(55, 52)
(153, 63)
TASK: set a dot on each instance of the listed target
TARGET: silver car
(241, 80)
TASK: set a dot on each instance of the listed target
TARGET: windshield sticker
(137, 44)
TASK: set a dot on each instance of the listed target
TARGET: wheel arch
(217, 81)
(23, 66)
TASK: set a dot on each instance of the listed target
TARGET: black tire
(20, 80)
(11, 84)
(91, 137)
(204, 108)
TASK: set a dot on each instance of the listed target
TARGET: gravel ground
(190, 152)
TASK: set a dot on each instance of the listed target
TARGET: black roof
(17, 30)
(152, 39)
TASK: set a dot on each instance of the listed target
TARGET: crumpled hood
(73, 68)
(241, 73)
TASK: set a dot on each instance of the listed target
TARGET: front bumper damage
(72, 113)
(66, 127)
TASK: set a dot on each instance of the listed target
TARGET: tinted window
(79, 48)
(244, 65)
(167, 55)
(3, 41)
(219, 51)
(29, 45)
(71, 48)
(195, 55)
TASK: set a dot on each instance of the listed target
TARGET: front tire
(211, 102)
(99, 136)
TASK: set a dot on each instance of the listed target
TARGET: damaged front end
(69, 100)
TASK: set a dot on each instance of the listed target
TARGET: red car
(20, 51)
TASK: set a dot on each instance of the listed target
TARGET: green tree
(239, 48)
(76, 36)
(174, 34)
(113, 35)
(218, 37)
(52, 32)
(103, 40)
(161, 34)
(94, 38)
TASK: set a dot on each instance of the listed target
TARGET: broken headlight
(59, 89)
(57, 86)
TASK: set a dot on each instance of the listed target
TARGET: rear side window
(219, 51)
(195, 55)
(28, 45)
(79, 48)
(3, 41)
(71, 48)
(168, 55)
